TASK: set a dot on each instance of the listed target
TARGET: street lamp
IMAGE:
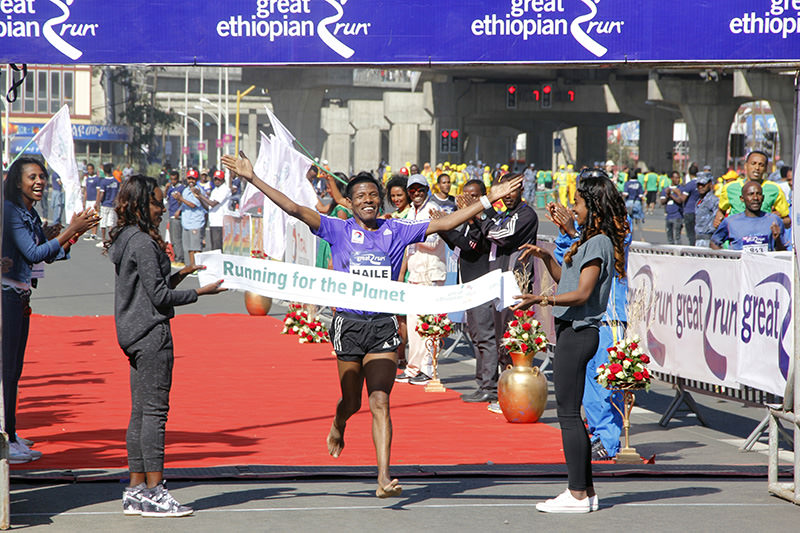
(219, 127)
(199, 127)
(239, 96)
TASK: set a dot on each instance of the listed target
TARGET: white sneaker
(594, 503)
(17, 455)
(33, 453)
(99, 244)
(565, 503)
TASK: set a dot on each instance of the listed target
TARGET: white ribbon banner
(299, 283)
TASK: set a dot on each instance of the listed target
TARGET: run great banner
(721, 321)
(300, 283)
(420, 32)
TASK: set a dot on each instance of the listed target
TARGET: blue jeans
(55, 202)
(16, 323)
(673, 228)
(605, 422)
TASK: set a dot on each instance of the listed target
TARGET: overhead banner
(299, 283)
(421, 32)
(720, 321)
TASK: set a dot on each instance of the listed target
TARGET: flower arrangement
(626, 367)
(298, 322)
(524, 334)
(434, 325)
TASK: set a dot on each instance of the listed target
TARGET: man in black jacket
(473, 262)
(506, 228)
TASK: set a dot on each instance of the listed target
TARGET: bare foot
(335, 440)
(392, 489)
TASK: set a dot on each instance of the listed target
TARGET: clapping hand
(436, 214)
(51, 232)
(529, 250)
(562, 217)
(465, 200)
(776, 230)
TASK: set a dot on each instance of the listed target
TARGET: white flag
(280, 131)
(252, 197)
(58, 148)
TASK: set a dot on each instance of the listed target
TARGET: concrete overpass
(354, 117)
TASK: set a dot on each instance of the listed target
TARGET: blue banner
(81, 132)
(422, 32)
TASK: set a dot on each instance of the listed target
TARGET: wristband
(73, 240)
(485, 202)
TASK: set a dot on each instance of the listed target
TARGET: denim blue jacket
(25, 243)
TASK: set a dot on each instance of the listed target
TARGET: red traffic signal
(445, 134)
(571, 95)
(536, 95)
(547, 89)
(512, 89)
(454, 134)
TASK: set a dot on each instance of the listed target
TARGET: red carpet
(242, 394)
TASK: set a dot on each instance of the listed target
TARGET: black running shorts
(354, 336)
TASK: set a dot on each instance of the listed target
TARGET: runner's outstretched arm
(462, 215)
(244, 168)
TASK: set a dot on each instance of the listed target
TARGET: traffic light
(571, 95)
(547, 96)
(444, 141)
(511, 97)
(454, 138)
(537, 95)
(769, 142)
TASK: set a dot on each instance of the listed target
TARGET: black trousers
(480, 326)
(574, 349)
(151, 359)
(16, 323)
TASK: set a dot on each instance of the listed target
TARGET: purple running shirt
(374, 254)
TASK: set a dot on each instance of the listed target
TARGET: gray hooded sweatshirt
(142, 296)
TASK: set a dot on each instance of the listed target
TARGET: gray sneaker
(420, 379)
(132, 499)
(158, 502)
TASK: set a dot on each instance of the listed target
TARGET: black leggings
(574, 349)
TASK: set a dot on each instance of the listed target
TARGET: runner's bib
(371, 265)
(758, 244)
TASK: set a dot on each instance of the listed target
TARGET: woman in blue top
(366, 343)
(26, 242)
(584, 285)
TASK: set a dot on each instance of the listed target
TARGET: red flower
(514, 323)
(425, 326)
(526, 326)
(616, 367)
(612, 349)
(611, 377)
(601, 367)
(646, 374)
(638, 376)
(523, 347)
(506, 335)
(645, 359)
(519, 313)
(633, 346)
(528, 314)
(447, 328)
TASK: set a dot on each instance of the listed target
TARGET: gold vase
(522, 390)
(256, 304)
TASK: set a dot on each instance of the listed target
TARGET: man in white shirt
(426, 266)
(216, 203)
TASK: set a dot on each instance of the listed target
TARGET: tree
(140, 110)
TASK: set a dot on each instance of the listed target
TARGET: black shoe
(481, 397)
(599, 452)
(420, 379)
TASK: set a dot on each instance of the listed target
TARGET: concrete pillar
(592, 144)
(784, 116)
(335, 123)
(708, 127)
(252, 141)
(299, 110)
(367, 120)
(779, 91)
(405, 112)
(655, 139)
(540, 148)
